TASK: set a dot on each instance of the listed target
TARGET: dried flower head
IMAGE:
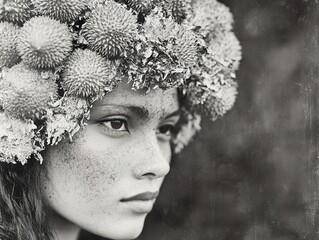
(8, 42)
(209, 17)
(13, 133)
(110, 30)
(66, 117)
(62, 10)
(179, 41)
(44, 43)
(87, 74)
(223, 101)
(28, 92)
(15, 11)
(225, 48)
(185, 47)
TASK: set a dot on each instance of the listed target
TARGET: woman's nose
(153, 161)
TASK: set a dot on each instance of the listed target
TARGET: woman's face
(106, 181)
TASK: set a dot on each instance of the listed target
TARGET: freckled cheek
(90, 171)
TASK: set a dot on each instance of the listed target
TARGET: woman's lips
(141, 203)
(146, 196)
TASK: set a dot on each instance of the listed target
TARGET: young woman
(95, 98)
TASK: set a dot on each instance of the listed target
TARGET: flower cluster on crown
(59, 56)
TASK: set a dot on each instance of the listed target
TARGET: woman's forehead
(154, 101)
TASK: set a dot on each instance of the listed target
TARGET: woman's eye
(167, 131)
(115, 127)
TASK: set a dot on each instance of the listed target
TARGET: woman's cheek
(89, 168)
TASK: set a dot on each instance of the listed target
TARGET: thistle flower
(110, 29)
(13, 133)
(15, 11)
(8, 40)
(29, 94)
(87, 74)
(63, 10)
(44, 43)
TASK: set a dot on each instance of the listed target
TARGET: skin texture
(124, 151)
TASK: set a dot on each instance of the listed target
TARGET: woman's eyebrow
(140, 111)
(173, 114)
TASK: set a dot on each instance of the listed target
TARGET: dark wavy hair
(23, 213)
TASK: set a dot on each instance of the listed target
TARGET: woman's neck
(64, 229)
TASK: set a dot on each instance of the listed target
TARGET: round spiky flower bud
(110, 29)
(8, 41)
(63, 10)
(30, 92)
(93, 3)
(87, 74)
(16, 11)
(44, 43)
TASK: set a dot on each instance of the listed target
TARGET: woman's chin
(120, 230)
(125, 233)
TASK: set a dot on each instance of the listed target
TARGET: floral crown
(58, 56)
